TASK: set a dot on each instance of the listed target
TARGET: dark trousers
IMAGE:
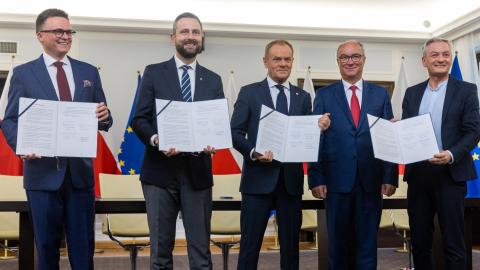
(255, 212)
(431, 190)
(352, 224)
(67, 209)
(163, 205)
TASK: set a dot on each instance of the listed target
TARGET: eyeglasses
(355, 58)
(60, 32)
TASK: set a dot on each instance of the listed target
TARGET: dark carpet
(388, 259)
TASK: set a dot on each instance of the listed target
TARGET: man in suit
(268, 184)
(439, 184)
(59, 190)
(174, 181)
(347, 175)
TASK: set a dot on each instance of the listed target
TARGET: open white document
(290, 138)
(403, 142)
(57, 128)
(192, 126)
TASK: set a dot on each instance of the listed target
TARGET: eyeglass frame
(60, 32)
(345, 58)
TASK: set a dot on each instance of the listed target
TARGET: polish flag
(105, 161)
(228, 161)
(10, 163)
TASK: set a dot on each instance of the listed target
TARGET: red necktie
(63, 88)
(354, 106)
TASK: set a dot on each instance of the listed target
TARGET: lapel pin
(201, 78)
(296, 93)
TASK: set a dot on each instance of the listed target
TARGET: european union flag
(130, 154)
(473, 187)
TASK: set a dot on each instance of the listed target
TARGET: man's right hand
(320, 192)
(266, 157)
(170, 152)
(30, 156)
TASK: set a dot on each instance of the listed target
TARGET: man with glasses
(174, 181)
(59, 190)
(347, 175)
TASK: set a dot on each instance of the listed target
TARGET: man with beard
(174, 181)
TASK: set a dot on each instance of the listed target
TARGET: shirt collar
(272, 83)
(179, 63)
(358, 84)
(439, 87)
(50, 60)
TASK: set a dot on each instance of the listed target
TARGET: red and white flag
(10, 163)
(105, 162)
(228, 161)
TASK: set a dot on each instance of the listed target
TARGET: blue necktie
(185, 86)
(282, 105)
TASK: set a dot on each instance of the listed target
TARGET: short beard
(187, 54)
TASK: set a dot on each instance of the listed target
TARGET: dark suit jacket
(160, 81)
(460, 125)
(258, 177)
(31, 80)
(346, 152)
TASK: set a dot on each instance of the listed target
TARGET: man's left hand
(388, 190)
(209, 150)
(102, 112)
(324, 121)
(441, 158)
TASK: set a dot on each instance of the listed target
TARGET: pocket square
(87, 83)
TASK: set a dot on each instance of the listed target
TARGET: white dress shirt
(358, 92)
(52, 71)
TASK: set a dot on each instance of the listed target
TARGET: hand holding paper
(403, 142)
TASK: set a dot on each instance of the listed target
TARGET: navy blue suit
(440, 189)
(266, 186)
(346, 165)
(68, 180)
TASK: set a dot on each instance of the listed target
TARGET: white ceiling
(389, 15)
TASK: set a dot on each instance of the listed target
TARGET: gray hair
(433, 40)
(351, 41)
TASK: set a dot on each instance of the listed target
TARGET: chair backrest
(117, 186)
(226, 187)
(309, 217)
(114, 186)
(11, 190)
(399, 217)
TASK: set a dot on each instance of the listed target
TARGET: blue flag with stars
(473, 187)
(130, 154)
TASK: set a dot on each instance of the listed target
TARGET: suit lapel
(199, 83)
(417, 97)
(77, 77)
(366, 97)
(171, 78)
(294, 99)
(449, 95)
(41, 72)
(342, 101)
(267, 97)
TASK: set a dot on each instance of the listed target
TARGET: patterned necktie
(185, 86)
(63, 88)
(354, 105)
(282, 105)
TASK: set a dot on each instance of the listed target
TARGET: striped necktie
(186, 86)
